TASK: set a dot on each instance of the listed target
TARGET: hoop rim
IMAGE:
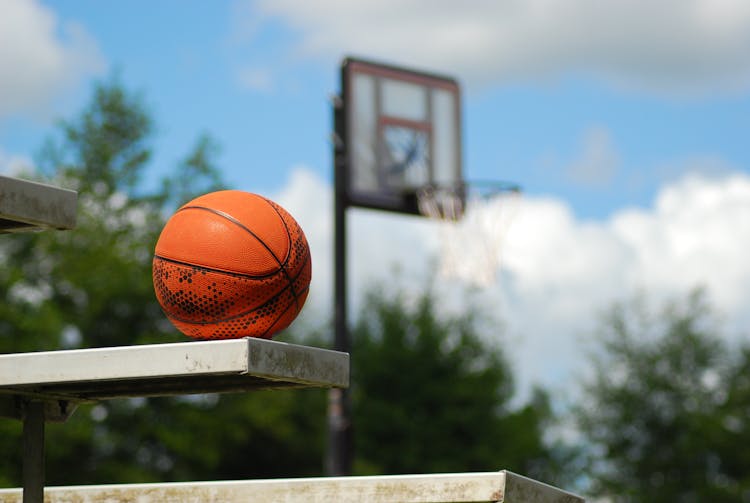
(448, 201)
(486, 187)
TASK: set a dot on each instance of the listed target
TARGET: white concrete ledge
(502, 486)
(170, 369)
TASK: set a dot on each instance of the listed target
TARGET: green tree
(92, 287)
(666, 407)
(195, 175)
(430, 395)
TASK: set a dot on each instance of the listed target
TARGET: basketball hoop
(474, 219)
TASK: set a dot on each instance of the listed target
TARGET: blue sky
(625, 123)
(241, 72)
(181, 56)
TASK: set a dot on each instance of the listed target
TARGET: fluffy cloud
(40, 56)
(13, 165)
(561, 272)
(379, 243)
(255, 79)
(673, 45)
(598, 161)
(697, 232)
(557, 272)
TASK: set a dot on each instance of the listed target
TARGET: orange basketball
(231, 264)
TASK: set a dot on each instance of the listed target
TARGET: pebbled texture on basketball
(231, 264)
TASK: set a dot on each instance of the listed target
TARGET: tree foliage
(92, 287)
(666, 408)
(430, 395)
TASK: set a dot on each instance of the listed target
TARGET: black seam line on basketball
(218, 271)
(243, 227)
(231, 318)
(245, 313)
(264, 334)
(291, 244)
(282, 264)
(296, 298)
(289, 253)
(231, 273)
(286, 228)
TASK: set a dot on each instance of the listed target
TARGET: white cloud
(557, 272)
(561, 272)
(255, 79)
(12, 165)
(698, 232)
(378, 242)
(672, 45)
(40, 57)
(598, 161)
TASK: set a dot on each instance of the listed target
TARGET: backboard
(401, 132)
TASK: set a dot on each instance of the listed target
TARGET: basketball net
(472, 234)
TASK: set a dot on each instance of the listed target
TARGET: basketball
(231, 264)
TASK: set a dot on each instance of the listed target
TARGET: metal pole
(33, 452)
(340, 439)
